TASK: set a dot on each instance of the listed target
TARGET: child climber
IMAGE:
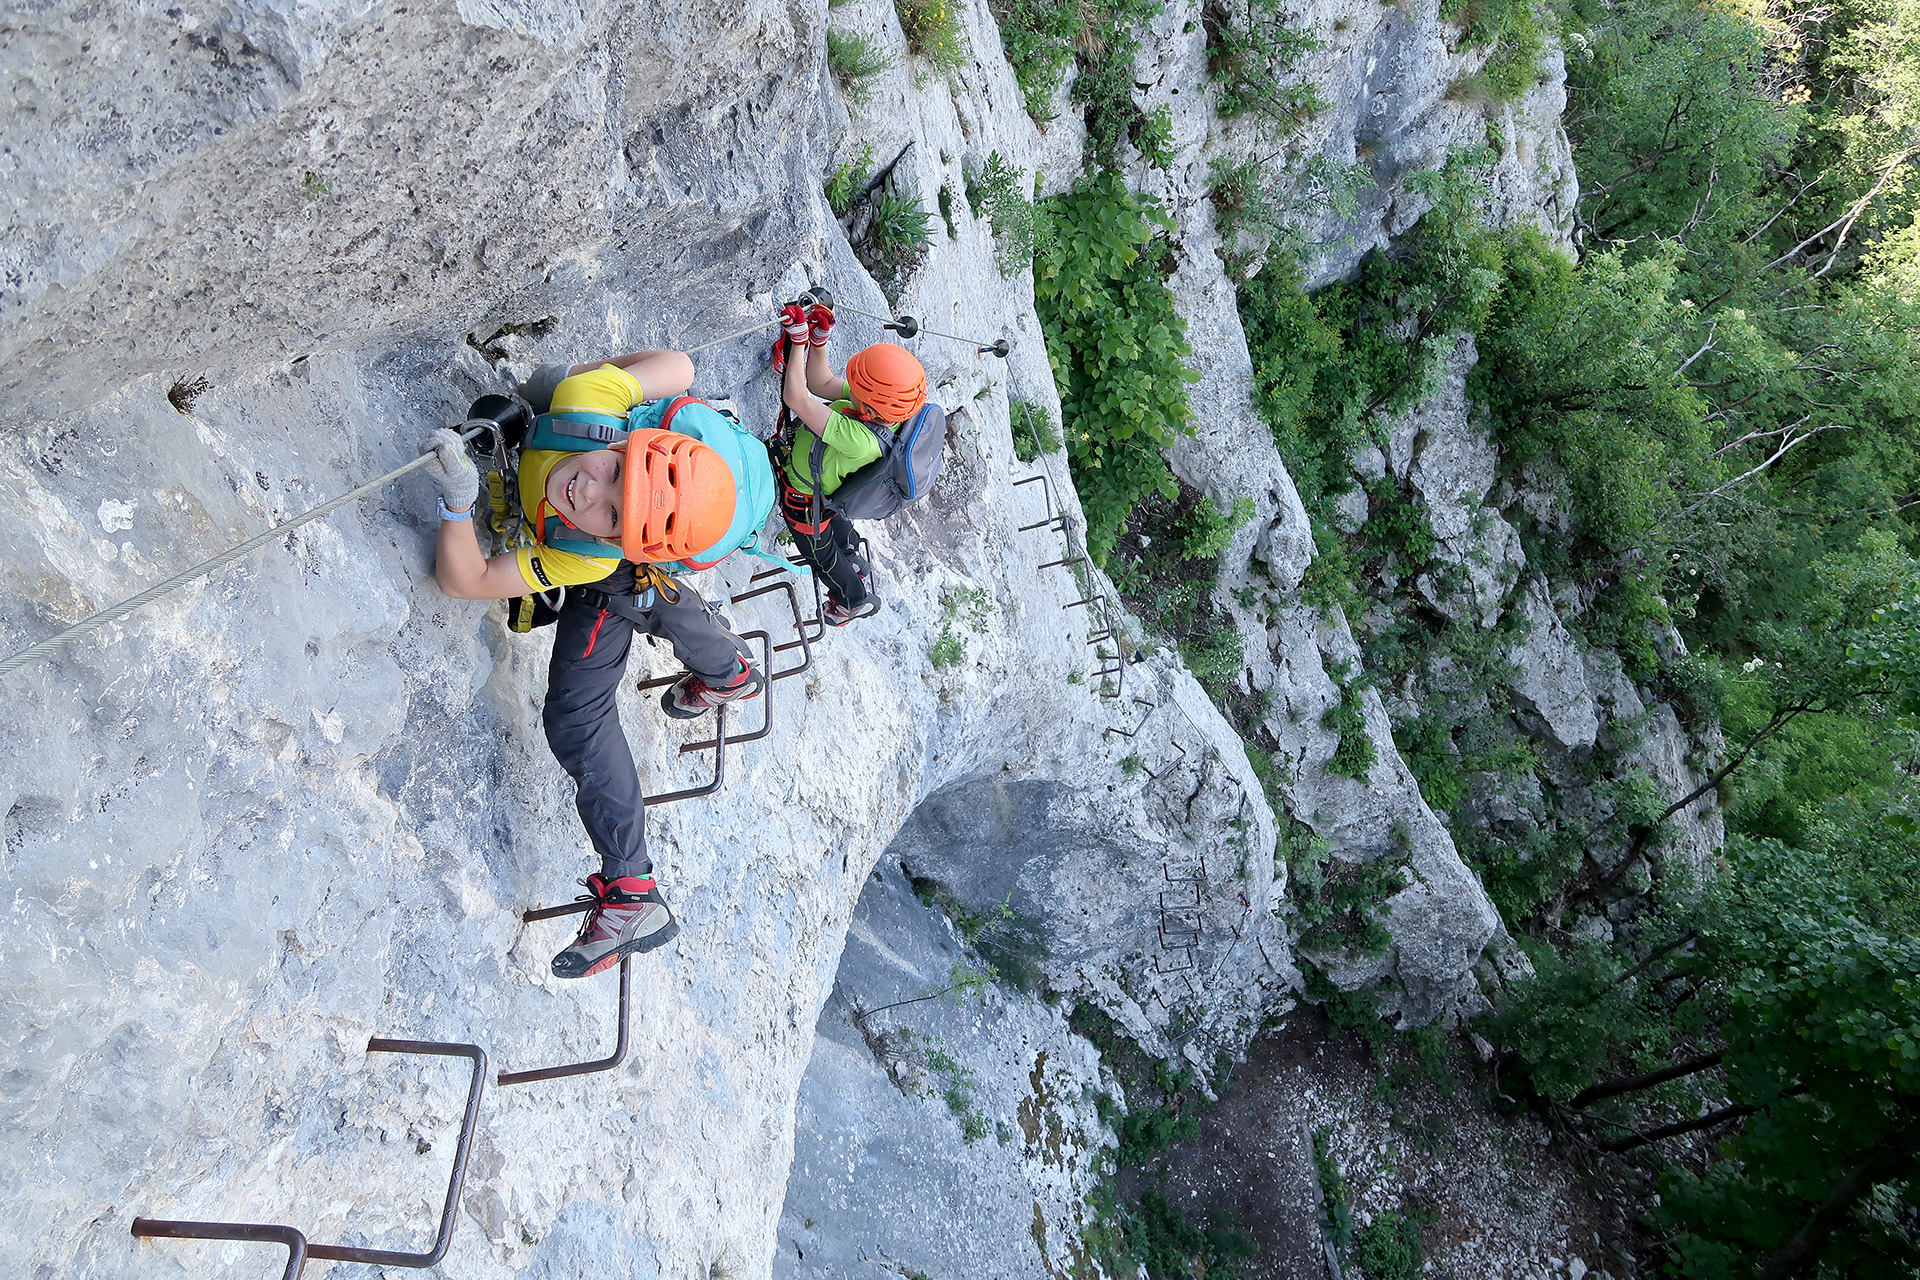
(884, 386)
(651, 498)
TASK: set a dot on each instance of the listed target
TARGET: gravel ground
(1499, 1194)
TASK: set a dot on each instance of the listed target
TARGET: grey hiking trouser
(590, 644)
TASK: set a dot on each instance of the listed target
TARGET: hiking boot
(835, 614)
(690, 695)
(628, 917)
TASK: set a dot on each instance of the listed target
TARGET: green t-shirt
(851, 445)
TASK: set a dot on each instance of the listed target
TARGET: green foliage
(1339, 904)
(1033, 430)
(1216, 656)
(999, 194)
(1570, 1017)
(1256, 209)
(1251, 55)
(1147, 1131)
(1212, 529)
(1159, 1237)
(1354, 756)
(1153, 136)
(1172, 1248)
(848, 179)
(1117, 348)
(1389, 1247)
(1513, 30)
(1108, 39)
(901, 229)
(969, 603)
(1326, 368)
(1336, 1213)
(932, 29)
(855, 60)
(1822, 1028)
(1038, 37)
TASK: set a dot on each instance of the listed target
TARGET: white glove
(459, 478)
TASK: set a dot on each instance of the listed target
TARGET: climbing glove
(793, 317)
(459, 478)
(819, 323)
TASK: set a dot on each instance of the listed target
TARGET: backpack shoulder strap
(584, 424)
(816, 460)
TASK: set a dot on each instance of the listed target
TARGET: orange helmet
(888, 378)
(676, 496)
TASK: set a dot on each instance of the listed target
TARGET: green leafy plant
(1117, 348)
(855, 61)
(848, 180)
(1512, 30)
(1354, 756)
(1336, 1213)
(1251, 56)
(1153, 135)
(998, 193)
(1033, 430)
(1038, 38)
(932, 29)
(901, 228)
(1389, 1247)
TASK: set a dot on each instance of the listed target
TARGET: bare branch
(1705, 347)
(1844, 223)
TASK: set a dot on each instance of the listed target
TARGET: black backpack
(909, 463)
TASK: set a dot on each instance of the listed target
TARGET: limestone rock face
(950, 1136)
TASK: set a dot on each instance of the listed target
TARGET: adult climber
(648, 498)
(884, 386)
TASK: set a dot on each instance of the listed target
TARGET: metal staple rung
(247, 1232)
(1178, 968)
(799, 627)
(298, 1249)
(619, 1053)
(1070, 560)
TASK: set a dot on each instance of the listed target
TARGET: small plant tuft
(856, 61)
(932, 29)
(848, 179)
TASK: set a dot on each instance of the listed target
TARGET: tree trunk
(1632, 1084)
(1882, 1162)
(1634, 1142)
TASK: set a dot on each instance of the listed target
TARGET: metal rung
(1187, 955)
(1054, 564)
(766, 700)
(799, 624)
(1172, 765)
(1058, 520)
(619, 1053)
(1194, 880)
(248, 1232)
(298, 1249)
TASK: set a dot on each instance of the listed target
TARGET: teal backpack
(582, 431)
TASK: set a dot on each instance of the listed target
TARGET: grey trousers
(582, 719)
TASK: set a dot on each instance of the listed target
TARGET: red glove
(794, 317)
(793, 322)
(819, 324)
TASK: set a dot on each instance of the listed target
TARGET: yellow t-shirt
(608, 389)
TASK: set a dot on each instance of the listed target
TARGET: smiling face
(584, 490)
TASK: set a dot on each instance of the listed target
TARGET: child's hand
(819, 323)
(794, 317)
(459, 478)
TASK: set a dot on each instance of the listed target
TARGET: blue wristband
(445, 514)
